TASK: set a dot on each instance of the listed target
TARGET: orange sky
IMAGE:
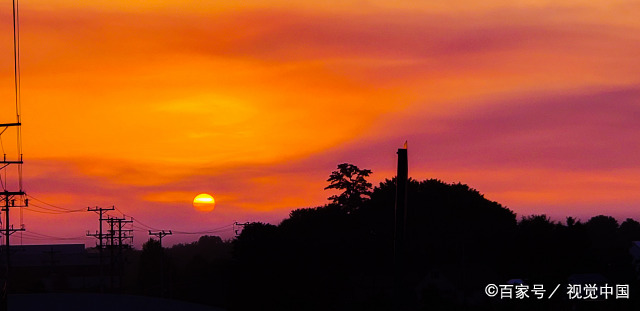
(146, 104)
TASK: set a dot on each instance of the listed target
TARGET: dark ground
(99, 302)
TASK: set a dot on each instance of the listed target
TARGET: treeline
(340, 256)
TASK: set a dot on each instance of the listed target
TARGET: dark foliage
(155, 269)
(352, 181)
(331, 258)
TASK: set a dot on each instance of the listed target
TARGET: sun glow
(204, 202)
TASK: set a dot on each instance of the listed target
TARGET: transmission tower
(12, 194)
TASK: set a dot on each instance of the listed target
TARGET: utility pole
(101, 237)
(112, 235)
(124, 234)
(117, 225)
(9, 201)
(11, 168)
(160, 234)
(236, 231)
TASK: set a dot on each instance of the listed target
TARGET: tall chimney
(401, 292)
(401, 201)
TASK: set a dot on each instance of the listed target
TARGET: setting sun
(204, 202)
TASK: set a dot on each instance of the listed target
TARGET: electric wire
(143, 224)
(214, 230)
(55, 206)
(36, 235)
(139, 226)
(15, 59)
(41, 212)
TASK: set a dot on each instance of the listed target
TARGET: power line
(140, 226)
(55, 206)
(51, 211)
(214, 230)
(35, 235)
(41, 212)
(143, 224)
(54, 211)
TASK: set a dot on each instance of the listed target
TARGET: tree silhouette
(150, 267)
(607, 249)
(351, 180)
(155, 272)
(630, 230)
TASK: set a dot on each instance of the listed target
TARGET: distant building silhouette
(55, 267)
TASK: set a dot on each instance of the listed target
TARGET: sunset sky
(145, 104)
